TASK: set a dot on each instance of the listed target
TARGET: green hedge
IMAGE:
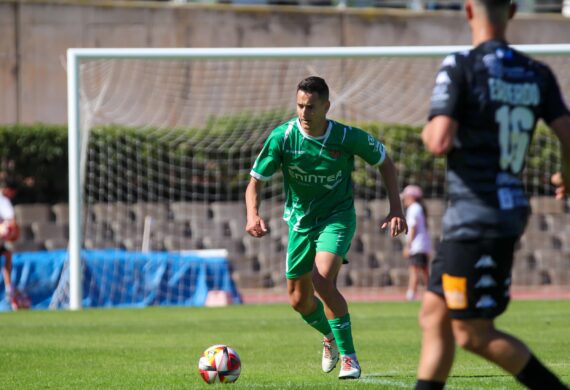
(218, 157)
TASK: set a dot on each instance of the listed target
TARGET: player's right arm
(255, 225)
(267, 163)
(439, 133)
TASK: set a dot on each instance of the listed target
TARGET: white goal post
(77, 140)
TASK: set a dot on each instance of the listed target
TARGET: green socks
(343, 334)
(318, 320)
(340, 328)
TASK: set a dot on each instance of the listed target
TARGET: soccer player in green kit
(316, 156)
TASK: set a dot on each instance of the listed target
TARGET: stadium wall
(36, 34)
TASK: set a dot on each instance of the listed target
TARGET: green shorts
(334, 236)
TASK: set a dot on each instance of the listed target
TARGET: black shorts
(474, 276)
(419, 260)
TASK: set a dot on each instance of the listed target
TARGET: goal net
(162, 142)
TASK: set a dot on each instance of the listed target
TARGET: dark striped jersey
(496, 94)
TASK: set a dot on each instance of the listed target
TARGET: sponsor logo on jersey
(455, 291)
(519, 94)
(328, 181)
(486, 302)
(486, 281)
(485, 261)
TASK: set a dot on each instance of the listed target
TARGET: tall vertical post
(74, 150)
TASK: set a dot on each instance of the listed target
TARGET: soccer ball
(219, 363)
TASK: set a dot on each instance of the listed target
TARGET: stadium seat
(209, 228)
(374, 242)
(190, 211)
(48, 230)
(108, 212)
(54, 243)
(547, 205)
(100, 244)
(27, 246)
(277, 228)
(156, 211)
(61, 212)
(435, 207)
(234, 246)
(399, 276)
(379, 209)
(26, 214)
(177, 243)
(361, 277)
(361, 208)
(250, 279)
(556, 222)
(225, 211)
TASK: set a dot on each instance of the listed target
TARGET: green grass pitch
(158, 348)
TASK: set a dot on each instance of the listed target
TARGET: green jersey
(317, 171)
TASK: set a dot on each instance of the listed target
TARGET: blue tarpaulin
(113, 278)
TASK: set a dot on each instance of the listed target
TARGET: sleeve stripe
(382, 158)
(258, 176)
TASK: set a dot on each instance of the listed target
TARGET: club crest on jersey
(334, 153)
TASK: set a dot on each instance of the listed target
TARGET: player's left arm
(561, 127)
(556, 114)
(395, 218)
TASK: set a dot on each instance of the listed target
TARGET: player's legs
(438, 344)
(300, 262)
(482, 338)
(327, 266)
(301, 295)
(332, 244)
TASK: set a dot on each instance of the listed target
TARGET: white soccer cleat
(349, 369)
(330, 354)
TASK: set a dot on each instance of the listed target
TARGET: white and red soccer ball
(219, 363)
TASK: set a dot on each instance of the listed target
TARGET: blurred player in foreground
(316, 156)
(484, 109)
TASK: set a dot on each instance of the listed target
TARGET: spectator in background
(418, 242)
(9, 232)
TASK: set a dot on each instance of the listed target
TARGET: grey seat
(108, 212)
(547, 205)
(27, 246)
(190, 211)
(61, 212)
(43, 231)
(225, 211)
(29, 213)
(156, 211)
(55, 243)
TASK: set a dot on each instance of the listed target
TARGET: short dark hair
(314, 84)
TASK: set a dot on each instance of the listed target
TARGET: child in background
(418, 242)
